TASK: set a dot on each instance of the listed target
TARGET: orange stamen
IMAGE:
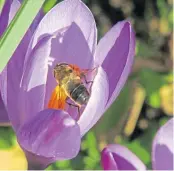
(58, 99)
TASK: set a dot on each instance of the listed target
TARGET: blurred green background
(144, 104)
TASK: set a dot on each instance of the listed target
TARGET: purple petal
(4, 120)
(71, 47)
(34, 79)
(51, 134)
(10, 82)
(163, 148)
(115, 52)
(12, 73)
(62, 16)
(36, 21)
(97, 102)
(107, 160)
(117, 157)
(8, 12)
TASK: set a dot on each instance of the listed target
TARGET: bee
(70, 86)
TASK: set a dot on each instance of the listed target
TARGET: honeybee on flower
(70, 86)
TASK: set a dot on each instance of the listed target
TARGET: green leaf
(90, 163)
(17, 28)
(162, 6)
(169, 77)
(91, 139)
(116, 112)
(154, 99)
(92, 148)
(77, 162)
(152, 82)
(163, 121)
(147, 139)
(63, 164)
(92, 157)
(48, 5)
(145, 50)
(7, 138)
(141, 152)
(1, 4)
(170, 17)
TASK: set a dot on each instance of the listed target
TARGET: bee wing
(82, 72)
(58, 98)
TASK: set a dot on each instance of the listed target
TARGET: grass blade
(17, 29)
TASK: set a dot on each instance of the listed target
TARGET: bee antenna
(62, 63)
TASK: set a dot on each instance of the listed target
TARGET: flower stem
(36, 167)
(37, 162)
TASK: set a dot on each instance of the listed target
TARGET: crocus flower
(118, 157)
(67, 33)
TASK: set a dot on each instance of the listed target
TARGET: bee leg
(79, 112)
(89, 70)
(87, 82)
(83, 75)
(70, 104)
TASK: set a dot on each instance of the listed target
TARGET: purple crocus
(67, 33)
(118, 157)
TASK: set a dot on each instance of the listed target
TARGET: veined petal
(34, 79)
(163, 148)
(51, 134)
(115, 52)
(117, 157)
(8, 12)
(62, 16)
(97, 102)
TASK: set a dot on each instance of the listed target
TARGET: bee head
(61, 71)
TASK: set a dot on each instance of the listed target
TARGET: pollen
(58, 98)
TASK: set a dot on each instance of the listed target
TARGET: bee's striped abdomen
(80, 94)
